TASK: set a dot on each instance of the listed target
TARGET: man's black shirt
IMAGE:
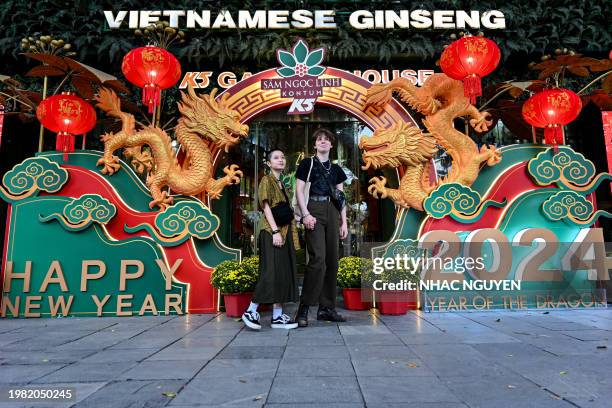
(319, 186)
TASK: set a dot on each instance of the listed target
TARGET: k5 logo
(302, 106)
(196, 80)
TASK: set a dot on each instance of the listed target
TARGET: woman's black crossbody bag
(282, 212)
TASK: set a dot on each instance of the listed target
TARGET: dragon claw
(482, 124)
(163, 201)
(110, 165)
(236, 178)
(496, 158)
(377, 186)
(214, 195)
(490, 154)
(233, 175)
(230, 169)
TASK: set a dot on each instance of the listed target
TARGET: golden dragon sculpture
(440, 100)
(204, 122)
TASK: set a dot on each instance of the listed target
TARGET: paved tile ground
(445, 360)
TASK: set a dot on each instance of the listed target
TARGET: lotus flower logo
(300, 77)
(300, 61)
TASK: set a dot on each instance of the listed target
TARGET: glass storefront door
(369, 219)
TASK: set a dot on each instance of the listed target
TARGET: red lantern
(551, 109)
(67, 115)
(153, 69)
(469, 59)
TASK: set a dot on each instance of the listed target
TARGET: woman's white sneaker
(251, 319)
(283, 322)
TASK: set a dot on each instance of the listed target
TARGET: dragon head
(401, 144)
(211, 119)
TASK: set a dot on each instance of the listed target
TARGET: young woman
(277, 265)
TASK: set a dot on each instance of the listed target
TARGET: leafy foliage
(236, 277)
(83, 79)
(532, 26)
(574, 64)
(353, 270)
(396, 275)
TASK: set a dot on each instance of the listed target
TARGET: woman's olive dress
(277, 265)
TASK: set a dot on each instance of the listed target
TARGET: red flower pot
(396, 302)
(353, 301)
(236, 303)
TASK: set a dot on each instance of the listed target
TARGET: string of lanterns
(151, 68)
(471, 58)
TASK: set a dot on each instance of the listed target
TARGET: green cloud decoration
(566, 167)
(567, 205)
(300, 61)
(401, 247)
(451, 197)
(190, 215)
(92, 206)
(458, 201)
(179, 222)
(31, 176)
(82, 212)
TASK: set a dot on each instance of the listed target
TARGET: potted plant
(356, 294)
(397, 302)
(236, 281)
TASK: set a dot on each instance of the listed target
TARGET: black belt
(319, 198)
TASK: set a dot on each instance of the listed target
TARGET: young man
(324, 225)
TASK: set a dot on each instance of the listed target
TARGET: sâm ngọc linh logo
(300, 77)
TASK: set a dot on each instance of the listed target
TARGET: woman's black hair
(269, 154)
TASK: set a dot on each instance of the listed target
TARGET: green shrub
(252, 263)
(351, 269)
(397, 275)
(236, 277)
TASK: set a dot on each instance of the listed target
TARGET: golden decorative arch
(249, 100)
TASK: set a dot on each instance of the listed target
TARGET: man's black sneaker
(283, 322)
(302, 316)
(329, 314)
(251, 319)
